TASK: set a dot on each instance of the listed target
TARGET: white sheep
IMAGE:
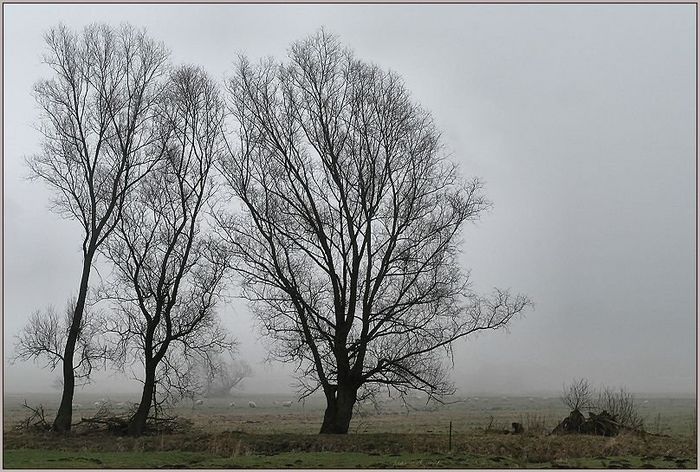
(252, 405)
(287, 404)
(199, 402)
(232, 405)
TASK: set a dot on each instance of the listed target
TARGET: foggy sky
(580, 118)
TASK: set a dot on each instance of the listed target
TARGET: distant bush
(618, 403)
(578, 395)
(621, 405)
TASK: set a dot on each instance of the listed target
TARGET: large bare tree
(97, 142)
(349, 237)
(169, 271)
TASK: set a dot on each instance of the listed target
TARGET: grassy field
(272, 436)
(32, 458)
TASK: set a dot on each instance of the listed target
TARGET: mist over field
(579, 118)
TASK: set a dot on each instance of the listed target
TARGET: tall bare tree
(349, 239)
(169, 272)
(97, 142)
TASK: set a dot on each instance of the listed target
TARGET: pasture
(392, 435)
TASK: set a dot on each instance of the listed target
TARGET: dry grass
(526, 447)
(246, 433)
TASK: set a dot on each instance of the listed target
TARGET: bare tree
(578, 395)
(349, 239)
(97, 142)
(223, 374)
(169, 272)
(43, 338)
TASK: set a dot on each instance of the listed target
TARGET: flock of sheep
(198, 402)
(251, 404)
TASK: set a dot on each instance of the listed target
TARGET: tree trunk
(64, 417)
(336, 419)
(137, 423)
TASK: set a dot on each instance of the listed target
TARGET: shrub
(621, 405)
(578, 395)
(618, 403)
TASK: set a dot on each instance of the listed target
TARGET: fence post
(450, 448)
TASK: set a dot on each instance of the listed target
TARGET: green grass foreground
(36, 458)
(386, 450)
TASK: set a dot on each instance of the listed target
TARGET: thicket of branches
(97, 130)
(347, 243)
(619, 403)
(128, 143)
(44, 336)
(169, 272)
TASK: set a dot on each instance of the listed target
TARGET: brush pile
(599, 424)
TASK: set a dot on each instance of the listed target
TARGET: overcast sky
(580, 118)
